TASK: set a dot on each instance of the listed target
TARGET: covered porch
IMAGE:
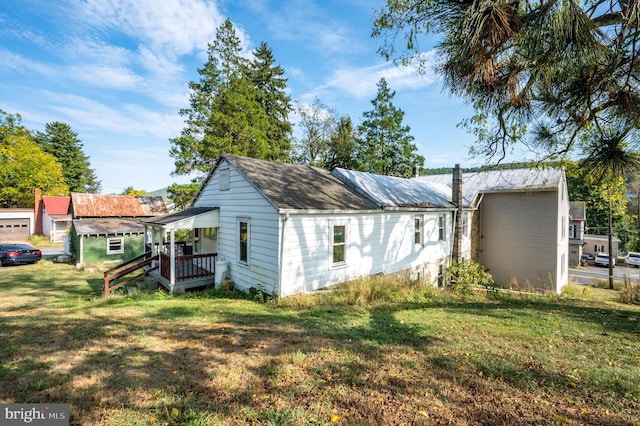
(181, 266)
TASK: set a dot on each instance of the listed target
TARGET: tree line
(52, 160)
(240, 106)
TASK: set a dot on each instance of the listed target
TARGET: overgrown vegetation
(371, 352)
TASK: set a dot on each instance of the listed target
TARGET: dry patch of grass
(406, 355)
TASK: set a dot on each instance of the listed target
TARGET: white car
(602, 259)
(632, 258)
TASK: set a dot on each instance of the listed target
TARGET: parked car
(602, 259)
(15, 254)
(632, 258)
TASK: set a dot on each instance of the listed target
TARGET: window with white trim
(339, 244)
(419, 229)
(442, 227)
(599, 248)
(244, 235)
(573, 231)
(115, 245)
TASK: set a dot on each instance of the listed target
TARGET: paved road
(585, 275)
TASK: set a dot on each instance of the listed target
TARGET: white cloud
(361, 82)
(179, 26)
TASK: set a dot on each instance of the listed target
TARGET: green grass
(374, 352)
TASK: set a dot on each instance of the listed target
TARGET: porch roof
(195, 217)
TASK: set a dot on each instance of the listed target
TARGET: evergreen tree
(63, 143)
(270, 84)
(237, 107)
(386, 146)
(343, 146)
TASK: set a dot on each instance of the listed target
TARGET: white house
(520, 225)
(291, 229)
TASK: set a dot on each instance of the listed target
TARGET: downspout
(285, 219)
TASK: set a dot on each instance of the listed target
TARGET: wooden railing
(126, 268)
(188, 267)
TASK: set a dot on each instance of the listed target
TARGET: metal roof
(500, 181)
(577, 210)
(56, 205)
(113, 226)
(389, 191)
(98, 205)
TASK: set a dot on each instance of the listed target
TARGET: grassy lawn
(412, 356)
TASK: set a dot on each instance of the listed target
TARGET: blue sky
(117, 72)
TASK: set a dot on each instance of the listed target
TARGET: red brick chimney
(37, 210)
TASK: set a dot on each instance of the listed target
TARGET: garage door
(14, 229)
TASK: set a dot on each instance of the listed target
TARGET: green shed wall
(95, 248)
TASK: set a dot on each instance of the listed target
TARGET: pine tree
(270, 85)
(237, 107)
(63, 143)
(386, 146)
(343, 146)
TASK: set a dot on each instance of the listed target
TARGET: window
(562, 225)
(224, 180)
(115, 245)
(599, 248)
(419, 227)
(339, 244)
(441, 275)
(572, 231)
(442, 220)
(465, 224)
(243, 240)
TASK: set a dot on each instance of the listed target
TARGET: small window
(572, 231)
(339, 243)
(224, 180)
(465, 224)
(419, 229)
(441, 275)
(562, 225)
(599, 248)
(442, 231)
(115, 245)
(243, 241)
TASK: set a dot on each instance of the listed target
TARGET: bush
(464, 276)
(630, 291)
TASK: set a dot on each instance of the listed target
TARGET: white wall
(378, 242)
(243, 200)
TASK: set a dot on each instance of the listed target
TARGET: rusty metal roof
(56, 205)
(98, 205)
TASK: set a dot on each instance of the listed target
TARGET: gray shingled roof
(113, 226)
(499, 181)
(299, 187)
(389, 191)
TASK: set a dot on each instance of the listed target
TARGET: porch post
(172, 256)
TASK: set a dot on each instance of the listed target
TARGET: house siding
(242, 200)
(376, 243)
(94, 248)
(520, 239)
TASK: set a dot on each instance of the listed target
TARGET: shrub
(464, 276)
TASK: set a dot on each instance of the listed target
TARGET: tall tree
(237, 107)
(317, 122)
(386, 146)
(343, 146)
(559, 68)
(270, 85)
(63, 143)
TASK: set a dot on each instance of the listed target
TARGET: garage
(14, 229)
